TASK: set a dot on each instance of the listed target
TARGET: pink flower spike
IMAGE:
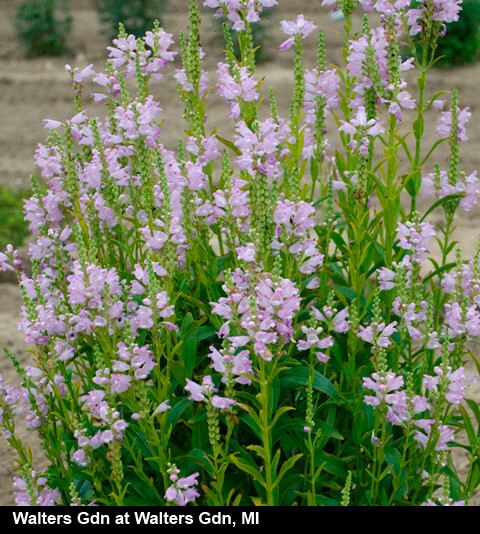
(300, 27)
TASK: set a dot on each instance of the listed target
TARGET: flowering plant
(256, 318)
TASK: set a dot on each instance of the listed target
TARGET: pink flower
(162, 407)
(382, 384)
(300, 27)
(222, 403)
(196, 391)
(320, 84)
(80, 458)
(182, 490)
(378, 334)
(415, 238)
(360, 130)
(4, 266)
(444, 124)
(119, 383)
(230, 364)
(239, 10)
(246, 253)
(80, 76)
(51, 124)
(386, 278)
(387, 390)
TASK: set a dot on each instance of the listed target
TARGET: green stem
(418, 132)
(265, 417)
(397, 479)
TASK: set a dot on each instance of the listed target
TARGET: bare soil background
(34, 89)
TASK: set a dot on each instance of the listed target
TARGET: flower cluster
(237, 86)
(32, 490)
(416, 238)
(264, 315)
(361, 131)
(182, 491)
(468, 187)
(240, 11)
(386, 387)
(301, 27)
(206, 391)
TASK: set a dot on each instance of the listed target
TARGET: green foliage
(259, 35)
(461, 44)
(43, 26)
(137, 16)
(14, 229)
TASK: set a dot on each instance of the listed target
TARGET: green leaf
(275, 460)
(326, 501)
(200, 458)
(314, 169)
(286, 466)
(350, 293)
(191, 343)
(83, 488)
(186, 325)
(328, 431)
(435, 145)
(472, 437)
(332, 464)
(221, 260)
(259, 450)
(339, 241)
(340, 163)
(393, 458)
(412, 183)
(142, 487)
(300, 377)
(403, 142)
(440, 202)
(177, 410)
(475, 409)
(418, 127)
(179, 372)
(279, 413)
(378, 184)
(439, 270)
(247, 468)
(321, 199)
(229, 144)
(252, 424)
